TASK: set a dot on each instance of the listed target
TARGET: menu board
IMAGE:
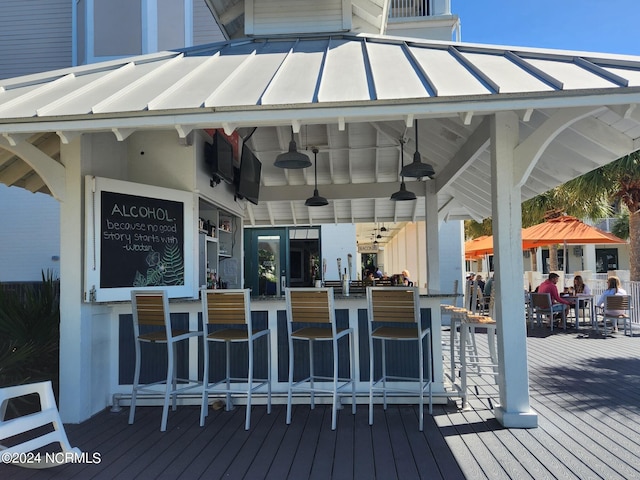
(141, 241)
(137, 236)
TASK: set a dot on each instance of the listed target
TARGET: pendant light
(417, 169)
(383, 229)
(403, 194)
(316, 200)
(293, 158)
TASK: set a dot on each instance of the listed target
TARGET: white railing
(598, 284)
(408, 8)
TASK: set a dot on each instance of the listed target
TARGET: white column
(75, 336)
(514, 410)
(432, 236)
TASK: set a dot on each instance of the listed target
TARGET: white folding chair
(48, 415)
(151, 312)
(401, 308)
(316, 306)
(231, 309)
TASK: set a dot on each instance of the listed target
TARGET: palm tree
(619, 182)
(565, 199)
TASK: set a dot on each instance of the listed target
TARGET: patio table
(581, 302)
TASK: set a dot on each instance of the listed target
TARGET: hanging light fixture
(403, 194)
(417, 169)
(316, 200)
(383, 229)
(293, 158)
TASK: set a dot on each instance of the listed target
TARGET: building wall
(35, 36)
(29, 235)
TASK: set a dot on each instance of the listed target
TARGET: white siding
(29, 235)
(293, 16)
(35, 36)
(205, 28)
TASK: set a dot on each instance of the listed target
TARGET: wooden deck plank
(323, 461)
(363, 445)
(343, 464)
(585, 389)
(303, 461)
(288, 446)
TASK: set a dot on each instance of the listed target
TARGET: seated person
(579, 287)
(613, 288)
(370, 279)
(406, 278)
(378, 273)
(549, 286)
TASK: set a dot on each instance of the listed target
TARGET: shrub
(30, 333)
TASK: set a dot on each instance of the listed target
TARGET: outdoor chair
(541, 307)
(152, 325)
(36, 430)
(231, 310)
(395, 312)
(616, 303)
(315, 306)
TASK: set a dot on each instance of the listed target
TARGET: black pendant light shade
(403, 194)
(293, 158)
(316, 200)
(417, 168)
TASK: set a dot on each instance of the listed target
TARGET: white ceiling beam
(51, 171)
(67, 137)
(122, 133)
(337, 192)
(529, 151)
(250, 213)
(477, 143)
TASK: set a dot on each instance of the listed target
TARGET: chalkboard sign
(142, 241)
(138, 236)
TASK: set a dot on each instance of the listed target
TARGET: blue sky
(611, 26)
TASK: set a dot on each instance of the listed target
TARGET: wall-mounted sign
(369, 248)
(137, 240)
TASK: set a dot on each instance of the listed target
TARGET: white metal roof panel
(447, 75)
(82, 99)
(256, 71)
(394, 75)
(571, 75)
(632, 75)
(135, 96)
(509, 76)
(296, 81)
(344, 77)
(207, 74)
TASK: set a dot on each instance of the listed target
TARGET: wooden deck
(585, 389)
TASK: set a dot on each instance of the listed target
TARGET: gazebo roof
(354, 97)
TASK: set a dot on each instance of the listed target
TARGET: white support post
(432, 236)
(75, 328)
(514, 410)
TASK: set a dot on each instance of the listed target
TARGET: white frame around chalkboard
(94, 186)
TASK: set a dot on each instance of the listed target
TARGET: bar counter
(271, 312)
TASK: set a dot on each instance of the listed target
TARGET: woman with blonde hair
(406, 278)
(613, 288)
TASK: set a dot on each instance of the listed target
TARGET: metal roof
(354, 97)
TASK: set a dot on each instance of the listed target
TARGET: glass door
(265, 266)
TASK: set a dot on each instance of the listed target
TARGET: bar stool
(231, 308)
(475, 363)
(400, 307)
(151, 312)
(316, 306)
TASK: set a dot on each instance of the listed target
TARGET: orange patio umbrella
(565, 230)
(478, 247)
